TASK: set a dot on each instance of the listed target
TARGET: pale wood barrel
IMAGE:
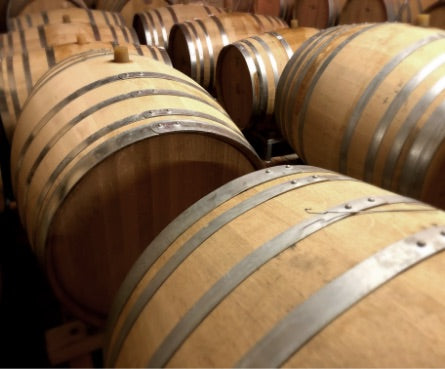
(133, 7)
(318, 13)
(60, 34)
(367, 100)
(20, 72)
(287, 267)
(71, 15)
(109, 161)
(248, 71)
(153, 27)
(194, 46)
(360, 11)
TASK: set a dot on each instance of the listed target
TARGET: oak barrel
(74, 15)
(248, 71)
(153, 27)
(194, 46)
(274, 269)
(21, 7)
(102, 164)
(60, 34)
(318, 13)
(20, 72)
(277, 8)
(360, 11)
(367, 100)
(133, 7)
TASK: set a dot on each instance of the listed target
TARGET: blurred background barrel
(21, 7)
(153, 27)
(248, 71)
(318, 13)
(436, 13)
(133, 7)
(110, 159)
(367, 100)
(71, 15)
(194, 46)
(359, 11)
(61, 34)
(20, 72)
(231, 263)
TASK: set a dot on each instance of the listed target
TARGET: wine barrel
(21, 7)
(318, 13)
(436, 14)
(277, 8)
(360, 11)
(278, 263)
(60, 34)
(71, 15)
(20, 72)
(153, 27)
(102, 164)
(194, 46)
(111, 5)
(248, 71)
(378, 117)
(133, 7)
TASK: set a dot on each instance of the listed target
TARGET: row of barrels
(93, 129)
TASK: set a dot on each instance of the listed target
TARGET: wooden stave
(392, 171)
(138, 344)
(83, 310)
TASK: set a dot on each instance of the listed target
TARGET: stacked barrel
(142, 191)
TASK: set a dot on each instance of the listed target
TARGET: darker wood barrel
(367, 100)
(436, 14)
(248, 71)
(318, 13)
(110, 160)
(287, 267)
(194, 46)
(153, 27)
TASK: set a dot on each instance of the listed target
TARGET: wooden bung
(385, 126)
(289, 267)
(423, 20)
(121, 54)
(103, 163)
